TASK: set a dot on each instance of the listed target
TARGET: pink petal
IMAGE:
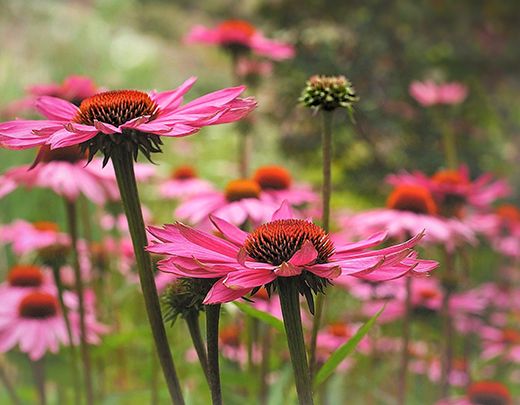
(54, 108)
(307, 254)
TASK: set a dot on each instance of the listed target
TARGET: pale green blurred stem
(450, 151)
(192, 320)
(72, 349)
(405, 355)
(290, 304)
(85, 355)
(124, 169)
(326, 140)
(448, 326)
(9, 387)
(212, 326)
(38, 369)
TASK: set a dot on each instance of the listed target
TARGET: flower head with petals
(283, 248)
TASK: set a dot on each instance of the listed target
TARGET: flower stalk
(124, 170)
(73, 232)
(212, 326)
(290, 305)
(192, 320)
(405, 355)
(9, 387)
(38, 369)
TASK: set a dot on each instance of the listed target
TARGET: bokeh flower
(428, 93)
(184, 183)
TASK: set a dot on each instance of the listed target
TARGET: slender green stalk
(326, 140)
(38, 369)
(292, 320)
(450, 152)
(192, 320)
(212, 321)
(264, 370)
(405, 355)
(124, 169)
(9, 387)
(73, 231)
(72, 349)
(447, 357)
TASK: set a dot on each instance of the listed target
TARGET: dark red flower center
(511, 336)
(338, 329)
(184, 172)
(509, 213)
(239, 189)
(236, 30)
(230, 336)
(277, 241)
(67, 154)
(448, 177)
(116, 107)
(273, 177)
(38, 305)
(489, 393)
(25, 276)
(428, 293)
(46, 226)
(407, 197)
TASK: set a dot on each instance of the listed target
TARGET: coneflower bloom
(285, 247)
(27, 237)
(276, 182)
(428, 93)
(242, 200)
(483, 393)
(124, 117)
(410, 209)
(184, 183)
(504, 342)
(24, 278)
(239, 37)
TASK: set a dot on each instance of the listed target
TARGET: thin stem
(9, 387)
(72, 349)
(192, 320)
(448, 327)
(212, 321)
(38, 369)
(124, 169)
(73, 231)
(293, 329)
(264, 370)
(326, 140)
(405, 355)
(450, 151)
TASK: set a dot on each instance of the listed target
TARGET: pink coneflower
(240, 37)
(428, 93)
(63, 170)
(27, 237)
(35, 323)
(74, 88)
(22, 279)
(242, 200)
(128, 117)
(410, 209)
(276, 182)
(183, 183)
(285, 248)
(500, 342)
(483, 393)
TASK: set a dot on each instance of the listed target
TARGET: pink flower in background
(504, 342)
(241, 201)
(284, 247)
(116, 113)
(27, 237)
(74, 88)
(22, 279)
(65, 171)
(233, 348)
(184, 183)
(428, 93)
(240, 36)
(482, 392)
(252, 68)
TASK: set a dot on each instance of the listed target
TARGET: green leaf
(261, 315)
(344, 350)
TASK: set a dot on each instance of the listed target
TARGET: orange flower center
(277, 241)
(428, 293)
(230, 336)
(273, 177)
(116, 107)
(509, 213)
(46, 226)
(448, 177)
(38, 305)
(412, 198)
(339, 330)
(184, 173)
(239, 189)
(67, 154)
(25, 276)
(510, 335)
(234, 29)
(489, 393)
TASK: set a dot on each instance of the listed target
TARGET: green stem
(450, 151)
(448, 327)
(124, 169)
(9, 387)
(38, 369)
(326, 140)
(72, 349)
(266, 349)
(212, 321)
(405, 355)
(292, 320)
(73, 231)
(192, 320)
